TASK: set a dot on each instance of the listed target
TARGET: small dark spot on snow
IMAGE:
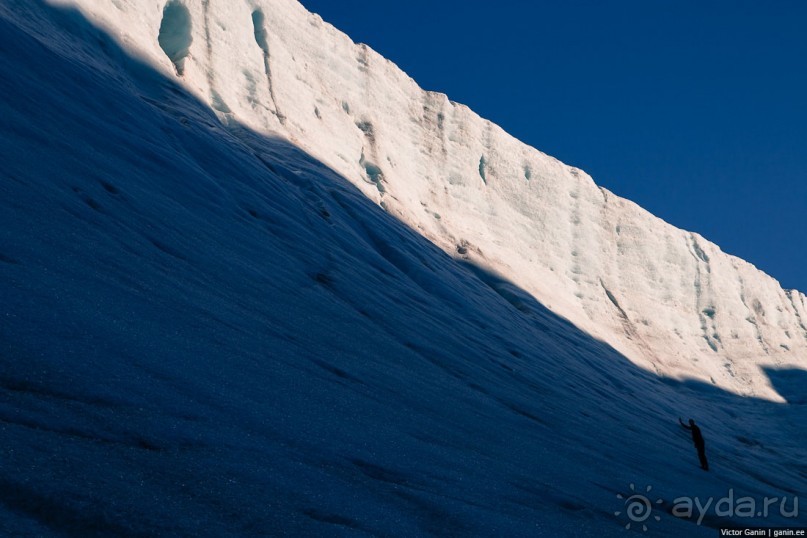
(377, 472)
(478, 388)
(338, 372)
(521, 411)
(92, 203)
(110, 188)
(367, 128)
(166, 249)
(748, 442)
(324, 279)
(331, 519)
(570, 506)
(145, 444)
(8, 259)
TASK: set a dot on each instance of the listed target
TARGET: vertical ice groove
(702, 285)
(216, 100)
(433, 124)
(262, 39)
(575, 254)
(751, 318)
(799, 319)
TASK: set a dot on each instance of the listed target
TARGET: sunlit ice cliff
(255, 281)
(670, 300)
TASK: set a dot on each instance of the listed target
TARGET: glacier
(257, 282)
(669, 300)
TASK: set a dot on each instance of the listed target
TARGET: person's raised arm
(681, 422)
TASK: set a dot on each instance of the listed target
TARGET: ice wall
(669, 299)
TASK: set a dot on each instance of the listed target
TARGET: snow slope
(230, 306)
(668, 299)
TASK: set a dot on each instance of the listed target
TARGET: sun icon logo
(638, 507)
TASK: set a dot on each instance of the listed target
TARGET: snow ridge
(668, 299)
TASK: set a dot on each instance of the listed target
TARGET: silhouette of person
(697, 438)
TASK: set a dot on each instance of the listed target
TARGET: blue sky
(697, 111)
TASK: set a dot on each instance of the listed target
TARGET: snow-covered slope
(670, 300)
(210, 327)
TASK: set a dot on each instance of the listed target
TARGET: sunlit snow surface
(290, 293)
